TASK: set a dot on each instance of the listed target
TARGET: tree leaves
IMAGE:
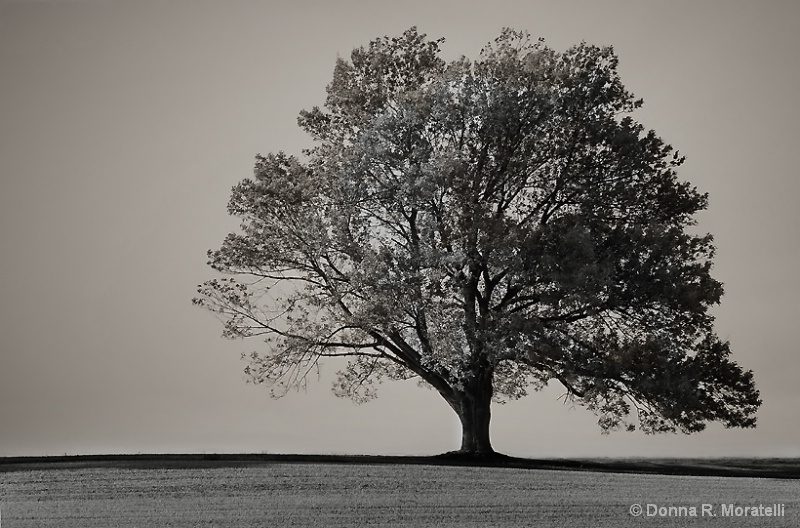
(503, 217)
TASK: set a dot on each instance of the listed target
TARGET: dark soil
(724, 467)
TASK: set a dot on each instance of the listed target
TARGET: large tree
(487, 227)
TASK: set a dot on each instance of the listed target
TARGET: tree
(487, 227)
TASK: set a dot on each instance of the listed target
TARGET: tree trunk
(473, 408)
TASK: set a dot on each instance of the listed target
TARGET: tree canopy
(487, 226)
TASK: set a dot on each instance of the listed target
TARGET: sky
(124, 125)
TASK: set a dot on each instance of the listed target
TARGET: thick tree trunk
(475, 415)
(473, 408)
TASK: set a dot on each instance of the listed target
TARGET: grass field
(331, 495)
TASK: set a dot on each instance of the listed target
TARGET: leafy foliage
(502, 219)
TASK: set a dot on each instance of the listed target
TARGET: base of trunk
(473, 456)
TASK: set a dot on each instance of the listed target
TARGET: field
(332, 495)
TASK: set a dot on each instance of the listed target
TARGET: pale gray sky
(124, 124)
